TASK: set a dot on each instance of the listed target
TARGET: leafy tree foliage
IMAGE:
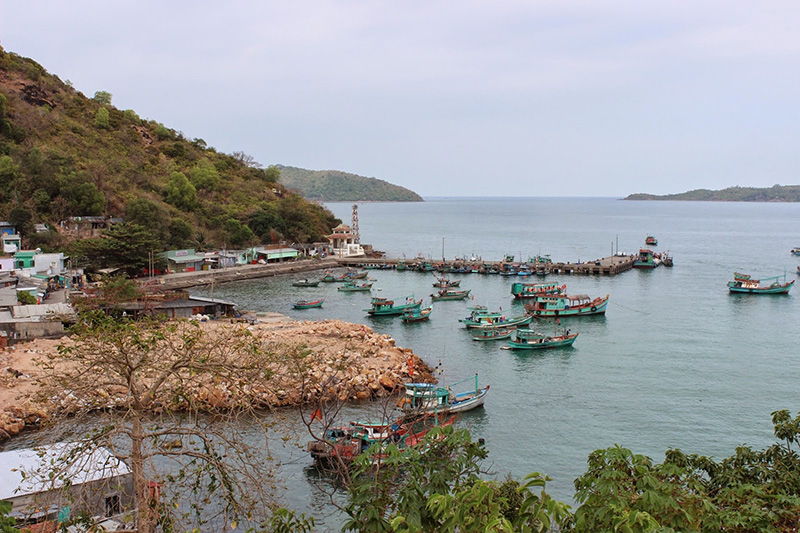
(102, 118)
(26, 298)
(22, 219)
(180, 192)
(84, 197)
(123, 245)
(238, 233)
(334, 185)
(148, 214)
(102, 97)
(204, 175)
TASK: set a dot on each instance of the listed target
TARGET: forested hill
(336, 186)
(63, 154)
(776, 193)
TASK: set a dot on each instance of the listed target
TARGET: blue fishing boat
(417, 314)
(491, 334)
(481, 318)
(744, 284)
(532, 290)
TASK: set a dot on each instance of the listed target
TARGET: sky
(452, 98)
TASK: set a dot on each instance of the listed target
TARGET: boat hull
(780, 289)
(595, 309)
(518, 321)
(308, 305)
(567, 340)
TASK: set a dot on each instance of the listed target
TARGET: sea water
(676, 362)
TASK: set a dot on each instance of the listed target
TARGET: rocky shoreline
(346, 362)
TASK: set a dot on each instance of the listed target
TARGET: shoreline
(369, 364)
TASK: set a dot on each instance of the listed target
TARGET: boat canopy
(578, 297)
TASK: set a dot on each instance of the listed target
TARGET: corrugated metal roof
(37, 464)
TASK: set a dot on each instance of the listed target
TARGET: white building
(344, 242)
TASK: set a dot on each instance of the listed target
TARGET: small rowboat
(305, 304)
(306, 283)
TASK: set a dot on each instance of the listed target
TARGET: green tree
(22, 219)
(265, 221)
(102, 97)
(146, 213)
(180, 192)
(126, 246)
(26, 298)
(7, 522)
(84, 197)
(238, 234)
(102, 119)
(204, 176)
(180, 234)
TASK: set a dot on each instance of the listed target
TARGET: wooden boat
(386, 307)
(666, 259)
(444, 283)
(352, 286)
(417, 314)
(795, 250)
(430, 398)
(305, 304)
(450, 294)
(646, 259)
(532, 290)
(306, 283)
(743, 283)
(491, 334)
(651, 241)
(528, 339)
(345, 443)
(561, 305)
(328, 278)
(352, 274)
(481, 318)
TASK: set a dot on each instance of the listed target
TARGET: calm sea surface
(676, 361)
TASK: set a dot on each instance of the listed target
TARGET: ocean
(676, 362)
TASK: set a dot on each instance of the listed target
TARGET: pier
(607, 266)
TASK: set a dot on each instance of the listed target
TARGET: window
(113, 505)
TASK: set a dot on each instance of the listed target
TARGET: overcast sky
(455, 98)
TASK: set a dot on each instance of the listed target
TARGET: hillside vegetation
(776, 193)
(336, 186)
(63, 154)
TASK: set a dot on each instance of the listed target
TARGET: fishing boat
(651, 241)
(532, 290)
(646, 259)
(491, 334)
(328, 278)
(306, 283)
(305, 304)
(444, 283)
(561, 305)
(528, 339)
(450, 294)
(352, 286)
(795, 250)
(353, 274)
(745, 284)
(431, 398)
(417, 314)
(345, 443)
(481, 318)
(666, 259)
(386, 307)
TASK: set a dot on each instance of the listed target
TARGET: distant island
(338, 186)
(776, 193)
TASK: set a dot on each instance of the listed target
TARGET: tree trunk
(145, 513)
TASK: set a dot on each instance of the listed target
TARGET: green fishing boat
(305, 304)
(491, 334)
(532, 290)
(744, 284)
(386, 307)
(528, 339)
(481, 318)
(646, 259)
(450, 294)
(351, 286)
(561, 305)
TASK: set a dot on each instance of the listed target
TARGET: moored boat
(386, 307)
(745, 284)
(481, 318)
(306, 283)
(531, 290)
(417, 314)
(305, 304)
(328, 278)
(795, 250)
(561, 305)
(450, 294)
(651, 241)
(528, 339)
(430, 398)
(352, 286)
(646, 259)
(491, 334)
(444, 283)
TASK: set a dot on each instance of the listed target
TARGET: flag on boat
(317, 413)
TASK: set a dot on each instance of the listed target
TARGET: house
(26, 259)
(344, 242)
(49, 264)
(275, 254)
(7, 264)
(179, 308)
(11, 241)
(61, 481)
(25, 322)
(183, 260)
(79, 227)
